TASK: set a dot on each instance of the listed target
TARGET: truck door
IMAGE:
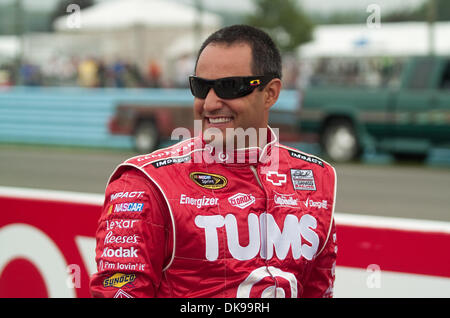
(411, 114)
(440, 112)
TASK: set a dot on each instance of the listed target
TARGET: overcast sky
(324, 6)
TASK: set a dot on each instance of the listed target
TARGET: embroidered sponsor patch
(303, 179)
(122, 195)
(198, 202)
(127, 207)
(306, 158)
(285, 200)
(316, 204)
(277, 179)
(170, 161)
(208, 180)
(241, 200)
(119, 280)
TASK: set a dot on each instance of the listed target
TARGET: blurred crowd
(94, 72)
(87, 72)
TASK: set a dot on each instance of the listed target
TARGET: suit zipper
(265, 229)
(253, 169)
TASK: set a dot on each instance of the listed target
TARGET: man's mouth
(219, 120)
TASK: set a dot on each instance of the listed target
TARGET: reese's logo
(208, 180)
(119, 280)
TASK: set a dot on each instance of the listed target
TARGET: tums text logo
(264, 236)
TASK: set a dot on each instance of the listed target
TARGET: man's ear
(272, 92)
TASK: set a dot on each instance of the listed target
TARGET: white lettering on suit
(264, 236)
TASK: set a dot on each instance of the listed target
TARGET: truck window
(445, 80)
(373, 72)
(421, 74)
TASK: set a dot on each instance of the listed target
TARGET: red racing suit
(182, 222)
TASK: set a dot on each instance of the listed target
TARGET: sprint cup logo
(208, 180)
(119, 280)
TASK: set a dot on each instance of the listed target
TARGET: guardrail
(73, 116)
(47, 241)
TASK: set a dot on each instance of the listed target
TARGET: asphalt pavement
(397, 190)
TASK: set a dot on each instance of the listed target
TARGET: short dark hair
(266, 58)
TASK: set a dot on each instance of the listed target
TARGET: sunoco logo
(119, 280)
(241, 200)
(208, 180)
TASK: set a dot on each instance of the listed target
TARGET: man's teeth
(219, 120)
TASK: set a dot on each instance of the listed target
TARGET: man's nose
(212, 101)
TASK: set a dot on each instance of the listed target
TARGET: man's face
(218, 61)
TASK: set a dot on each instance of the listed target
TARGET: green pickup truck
(408, 119)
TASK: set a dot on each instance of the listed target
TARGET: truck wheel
(339, 141)
(146, 137)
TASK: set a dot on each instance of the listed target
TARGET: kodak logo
(120, 252)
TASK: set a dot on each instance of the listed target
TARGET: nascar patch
(208, 180)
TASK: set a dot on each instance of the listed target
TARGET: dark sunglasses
(227, 87)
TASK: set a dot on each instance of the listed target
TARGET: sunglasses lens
(233, 87)
(199, 87)
(227, 88)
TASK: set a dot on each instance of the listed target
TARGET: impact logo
(306, 158)
(121, 195)
(170, 161)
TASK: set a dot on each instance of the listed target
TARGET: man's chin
(230, 138)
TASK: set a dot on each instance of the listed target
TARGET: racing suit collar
(248, 155)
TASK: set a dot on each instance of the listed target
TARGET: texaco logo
(245, 288)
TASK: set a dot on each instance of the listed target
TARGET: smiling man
(237, 79)
(206, 225)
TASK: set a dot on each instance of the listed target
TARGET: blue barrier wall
(79, 116)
